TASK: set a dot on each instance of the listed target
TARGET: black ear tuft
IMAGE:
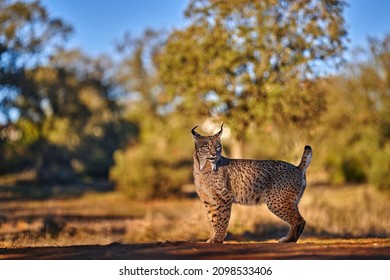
(195, 134)
(218, 134)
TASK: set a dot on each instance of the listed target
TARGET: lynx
(222, 181)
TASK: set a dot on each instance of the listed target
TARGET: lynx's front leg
(218, 215)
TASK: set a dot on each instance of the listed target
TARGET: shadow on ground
(310, 249)
(270, 231)
(31, 191)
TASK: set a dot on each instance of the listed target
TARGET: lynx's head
(207, 148)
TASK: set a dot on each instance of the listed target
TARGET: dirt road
(305, 249)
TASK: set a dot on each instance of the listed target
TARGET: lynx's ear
(218, 134)
(195, 134)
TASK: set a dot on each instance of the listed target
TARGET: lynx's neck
(208, 166)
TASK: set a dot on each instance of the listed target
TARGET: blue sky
(99, 24)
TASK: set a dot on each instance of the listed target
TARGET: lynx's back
(252, 180)
(221, 181)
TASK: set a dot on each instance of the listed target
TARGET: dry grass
(103, 218)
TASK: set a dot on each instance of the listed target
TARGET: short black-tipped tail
(306, 158)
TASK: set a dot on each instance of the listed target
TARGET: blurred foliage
(355, 128)
(379, 170)
(160, 163)
(68, 122)
(27, 35)
(252, 62)
(141, 173)
(261, 67)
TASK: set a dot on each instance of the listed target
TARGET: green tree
(370, 82)
(356, 128)
(138, 79)
(252, 62)
(68, 120)
(28, 35)
(158, 164)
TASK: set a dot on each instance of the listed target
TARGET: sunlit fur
(221, 181)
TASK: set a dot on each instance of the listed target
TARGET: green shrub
(344, 168)
(353, 170)
(379, 172)
(333, 165)
(143, 175)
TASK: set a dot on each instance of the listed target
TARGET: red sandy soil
(311, 248)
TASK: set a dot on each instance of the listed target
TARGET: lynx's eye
(218, 148)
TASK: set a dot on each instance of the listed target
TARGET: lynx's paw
(286, 239)
(214, 240)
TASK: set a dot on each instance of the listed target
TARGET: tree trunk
(237, 148)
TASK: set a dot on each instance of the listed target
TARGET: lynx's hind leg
(294, 232)
(285, 206)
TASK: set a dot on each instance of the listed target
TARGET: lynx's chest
(208, 179)
(208, 182)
